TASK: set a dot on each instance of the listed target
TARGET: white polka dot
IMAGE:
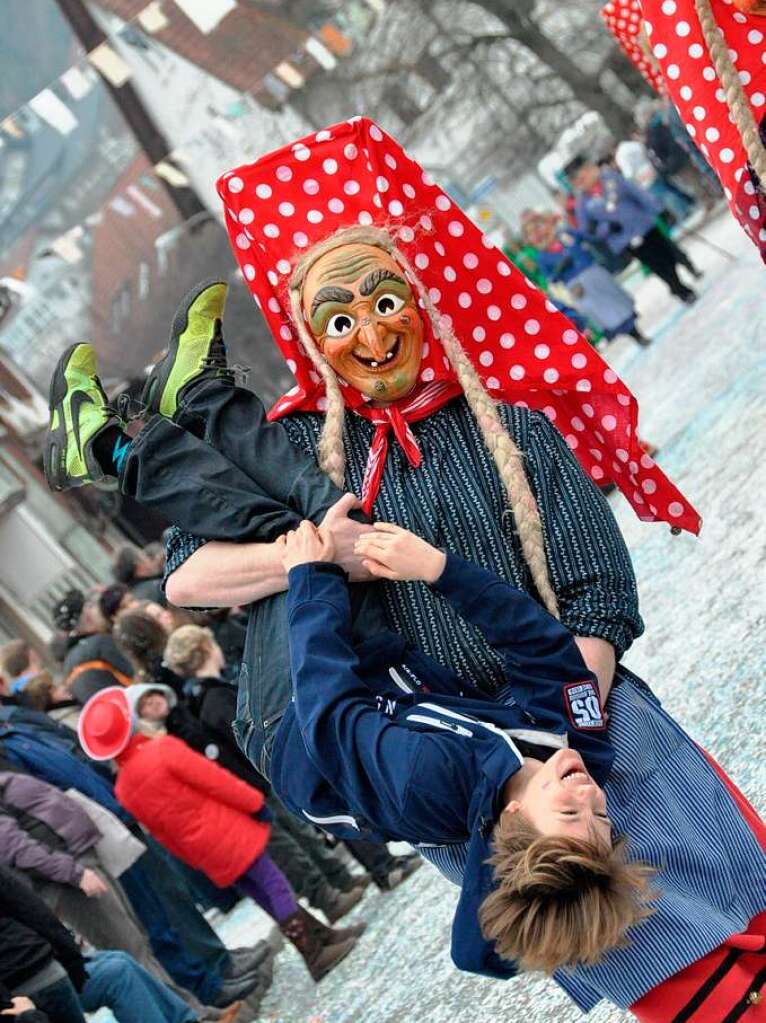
(439, 248)
(493, 383)
(675, 508)
(283, 266)
(464, 300)
(624, 399)
(648, 486)
(712, 134)
(493, 312)
(323, 136)
(579, 360)
(758, 99)
(390, 161)
(518, 301)
(479, 334)
(504, 269)
(246, 216)
(310, 186)
(409, 191)
(426, 223)
(609, 422)
(427, 375)
(486, 358)
(754, 36)
(578, 424)
(516, 372)
(571, 440)
(377, 201)
(708, 73)
(588, 410)
(243, 242)
(551, 375)
(745, 77)
(487, 242)
(376, 133)
(407, 235)
(249, 271)
(285, 333)
(235, 185)
(532, 327)
(271, 231)
(284, 173)
(673, 71)
(484, 286)
(597, 472)
(314, 217)
(726, 155)
(507, 340)
(421, 261)
(699, 113)
(695, 51)
(755, 213)
(449, 273)
(350, 151)
(286, 209)
(301, 152)
(610, 376)
(683, 29)
(570, 337)
(301, 239)
(599, 455)
(335, 206)
(395, 208)
(455, 228)
(442, 203)
(669, 7)
(660, 51)
(542, 351)
(381, 183)
(582, 385)
(686, 92)
(263, 191)
(470, 260)
(274, 305)
(365, 218)
(273, 278)
(351, 187)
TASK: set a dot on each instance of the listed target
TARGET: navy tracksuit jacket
(382, 742)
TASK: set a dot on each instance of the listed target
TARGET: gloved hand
(264, 815)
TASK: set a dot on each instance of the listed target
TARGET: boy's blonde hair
(188, 649)
(560, 901)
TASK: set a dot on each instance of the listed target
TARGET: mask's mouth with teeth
(575, 775)
(388, 360)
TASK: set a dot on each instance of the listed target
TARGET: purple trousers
(265, 884)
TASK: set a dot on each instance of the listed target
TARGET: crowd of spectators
(110, 870)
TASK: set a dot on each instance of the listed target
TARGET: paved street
(701, 391)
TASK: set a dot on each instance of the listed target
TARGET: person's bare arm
(224, 574)
(600, 658)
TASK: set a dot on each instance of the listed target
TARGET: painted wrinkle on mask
(364, 317)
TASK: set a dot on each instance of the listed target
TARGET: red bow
(397, 418)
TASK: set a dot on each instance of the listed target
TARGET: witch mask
(363, 315)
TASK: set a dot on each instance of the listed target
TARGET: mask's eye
(388, 304)
(339, 325)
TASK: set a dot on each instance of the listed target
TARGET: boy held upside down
(381, 740)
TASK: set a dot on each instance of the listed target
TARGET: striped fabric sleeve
(590, 567)
(179, 547)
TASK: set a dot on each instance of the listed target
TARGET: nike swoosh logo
(79, 398)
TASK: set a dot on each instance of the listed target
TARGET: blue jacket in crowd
(619, 214)
(382, 742)
(570, 260)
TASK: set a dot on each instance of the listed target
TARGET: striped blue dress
(680, 818)
(456, 501)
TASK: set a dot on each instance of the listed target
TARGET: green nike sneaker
(196, 351)
(80, 412)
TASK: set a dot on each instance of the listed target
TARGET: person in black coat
(38, 956)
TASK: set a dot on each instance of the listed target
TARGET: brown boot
(335, 904)
(314, 941)
(343, 933)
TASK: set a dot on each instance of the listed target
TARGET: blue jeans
(116, 980)
(59, 1001)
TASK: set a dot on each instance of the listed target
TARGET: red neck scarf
(397, 418)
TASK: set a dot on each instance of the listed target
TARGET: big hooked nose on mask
(365, 320)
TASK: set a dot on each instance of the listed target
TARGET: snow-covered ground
(701, 391)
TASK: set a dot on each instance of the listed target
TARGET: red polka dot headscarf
(624, 20)
(712, 58)
(525, 351)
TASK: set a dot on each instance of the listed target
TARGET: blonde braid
(736, 99)
(506, 455)
(502, 447)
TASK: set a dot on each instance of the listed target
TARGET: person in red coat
(205, 816)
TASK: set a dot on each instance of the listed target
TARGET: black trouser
(662, 256)
(304, 858)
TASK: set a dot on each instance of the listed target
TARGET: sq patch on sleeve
(584, 706)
